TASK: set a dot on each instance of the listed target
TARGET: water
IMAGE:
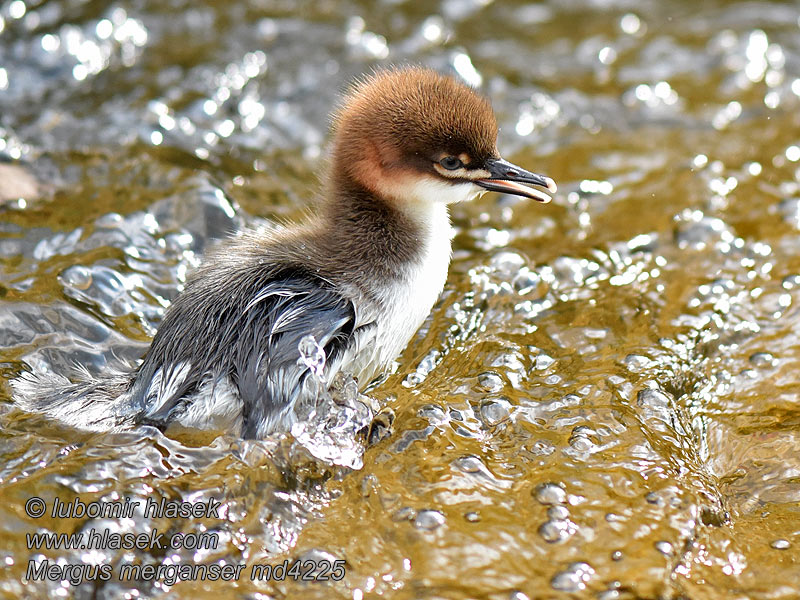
(603, 403)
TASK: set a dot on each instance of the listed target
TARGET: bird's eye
(451, 163)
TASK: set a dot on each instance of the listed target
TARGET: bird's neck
(389, 236)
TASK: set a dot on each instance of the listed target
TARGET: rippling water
(604, 404)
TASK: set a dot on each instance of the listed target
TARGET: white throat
(413, 296)
(417, 194)
(431, 191)
(407, 301)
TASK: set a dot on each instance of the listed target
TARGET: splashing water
(330, 418)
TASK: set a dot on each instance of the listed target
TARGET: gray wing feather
(250, 336)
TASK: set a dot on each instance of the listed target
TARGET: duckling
(360, 276)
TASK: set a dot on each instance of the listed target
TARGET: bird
(359, 275)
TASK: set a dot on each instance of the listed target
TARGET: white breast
(405, 302)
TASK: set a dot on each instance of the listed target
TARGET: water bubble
(558, 512)
(429, 520)
(470, 464)
(556, 530)
(542, 448)
(574, 578)
(550, 493)
(526, 281)
(490, 381)
(664, 548)
(581, 439)
(495, 411)
(78, 277)
(762, 359)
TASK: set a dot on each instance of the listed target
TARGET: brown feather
(409, 116)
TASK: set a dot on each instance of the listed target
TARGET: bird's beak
(510, 179)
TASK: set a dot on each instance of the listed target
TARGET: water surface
(604, 403)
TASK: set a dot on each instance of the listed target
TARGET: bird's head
(413, 136)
